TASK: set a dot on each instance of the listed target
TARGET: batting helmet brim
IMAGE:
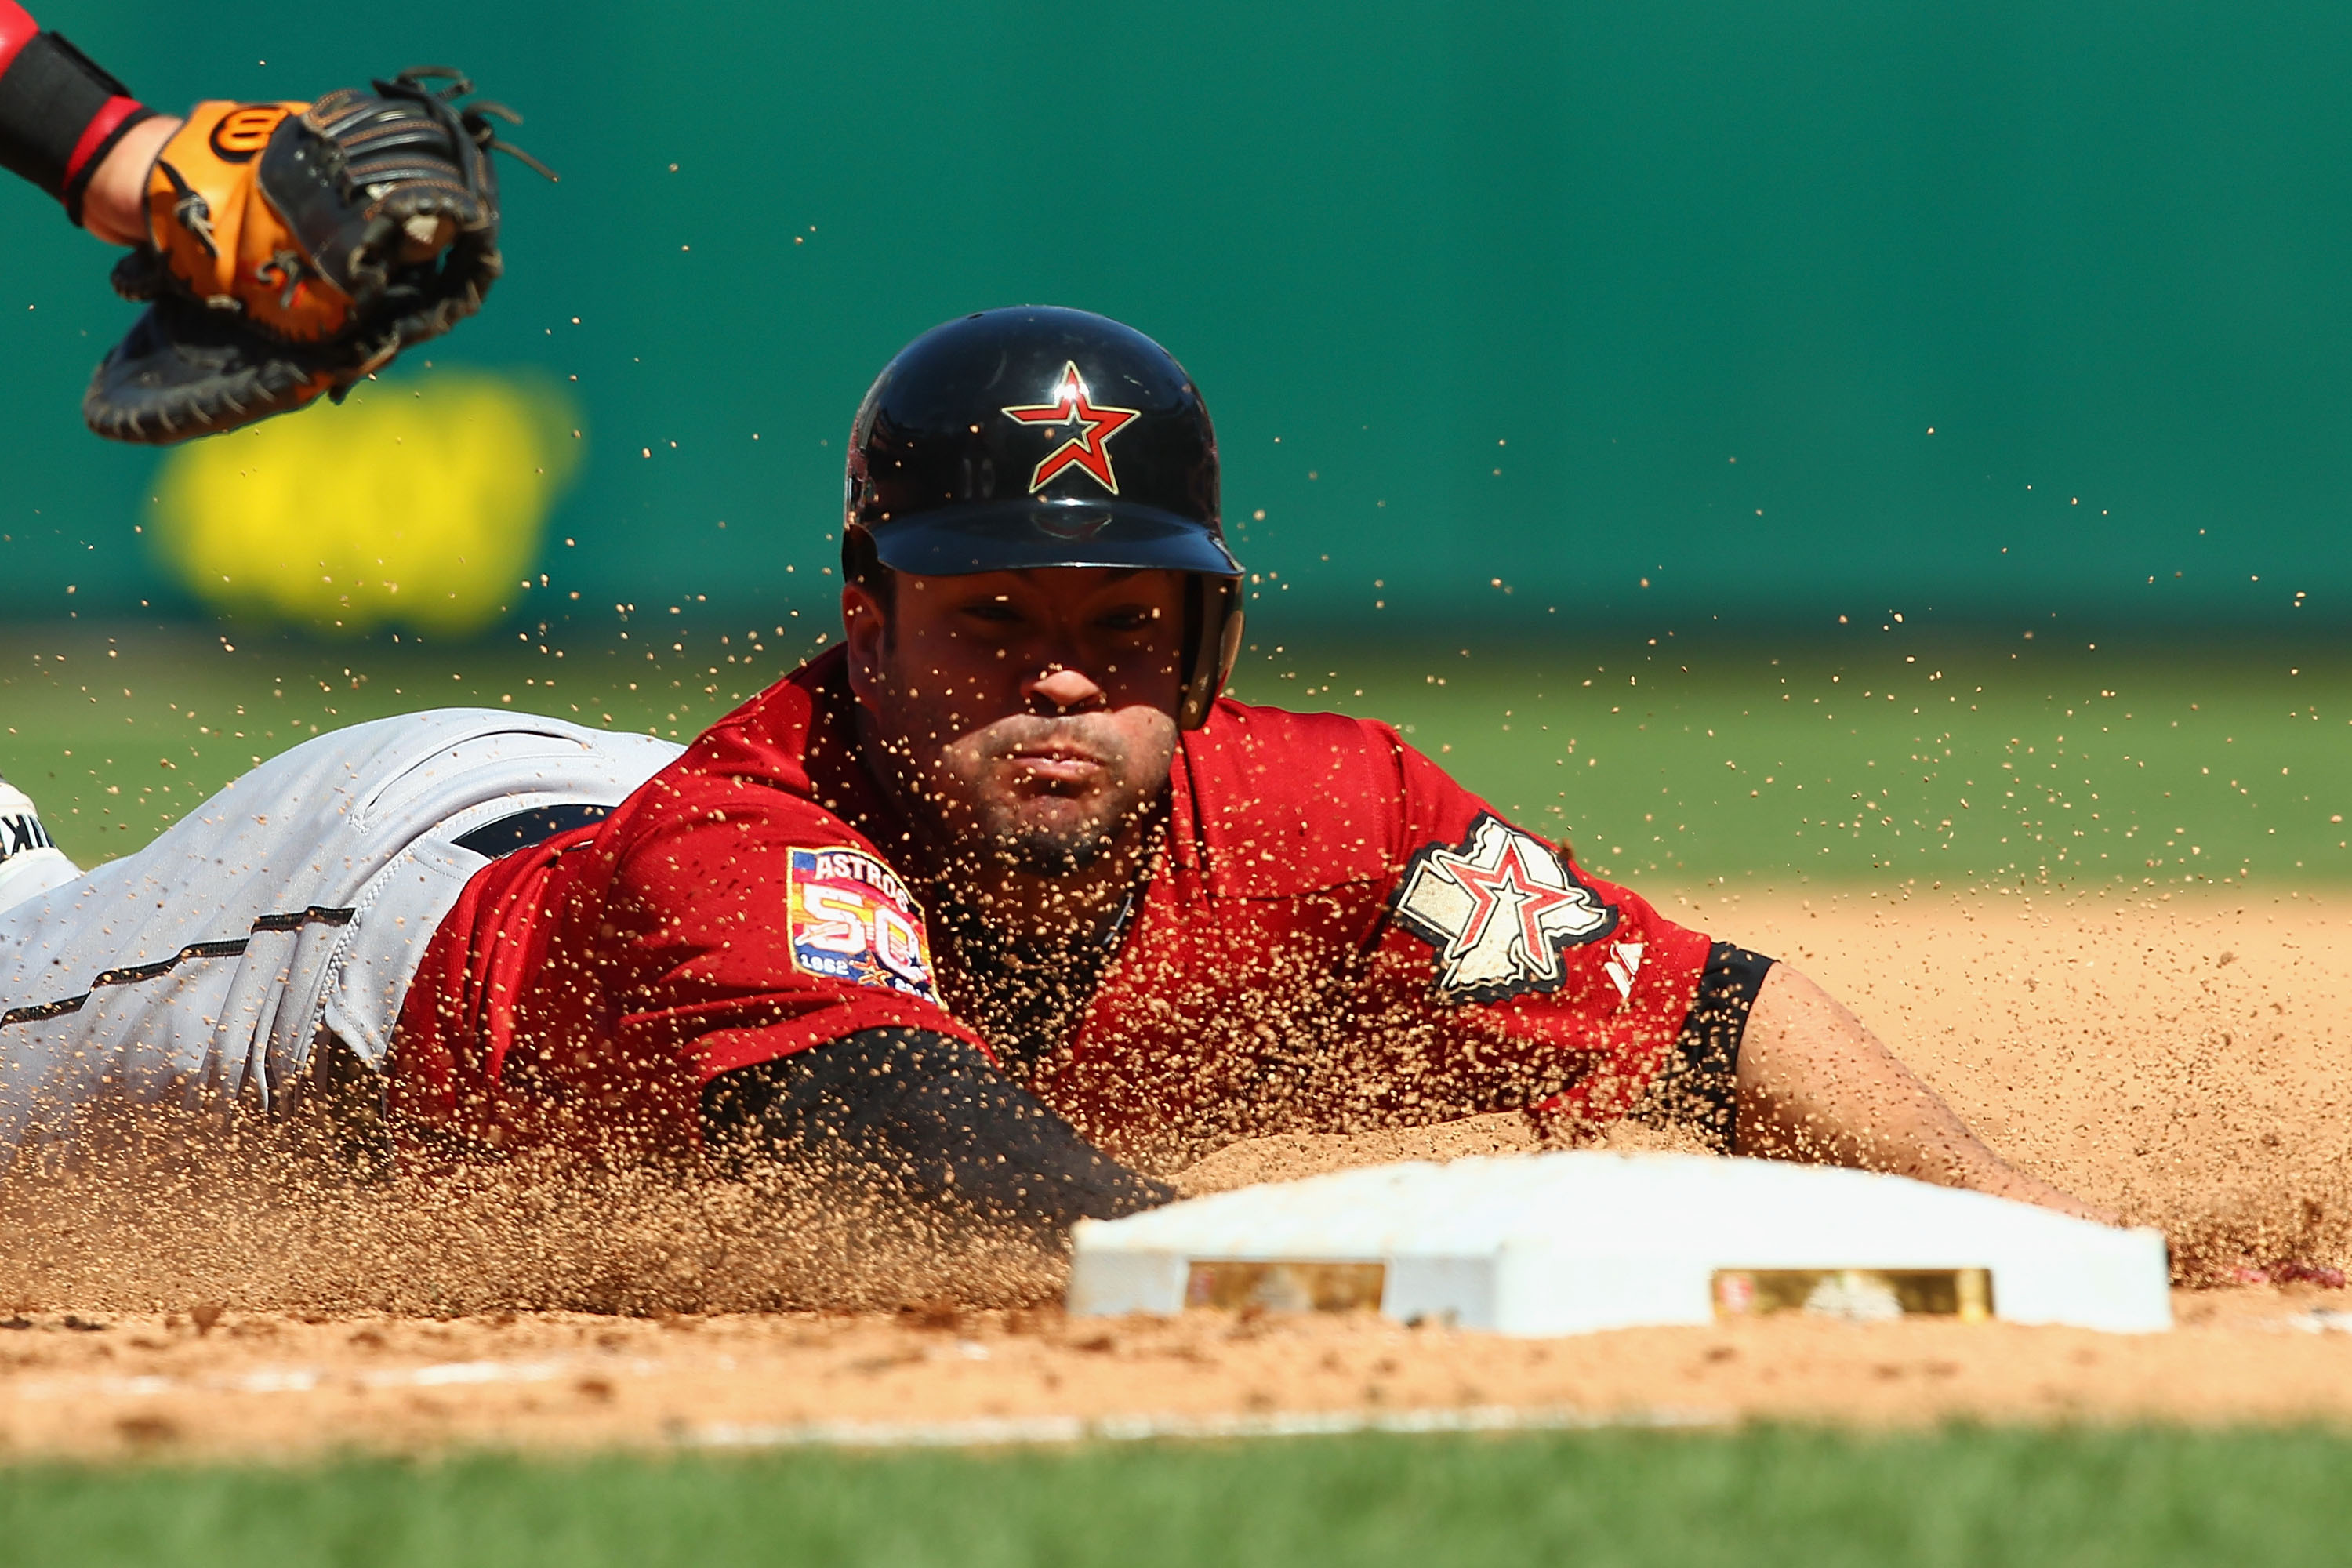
(1022, 535)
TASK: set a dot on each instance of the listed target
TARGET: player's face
(1031, 713)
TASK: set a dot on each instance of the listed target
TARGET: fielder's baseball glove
(297, 247)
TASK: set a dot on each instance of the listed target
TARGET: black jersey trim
(314, 915)
(526, 828)
(232, 948)
(1699, 1086)
(46, 1010)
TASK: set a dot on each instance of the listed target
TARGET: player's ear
(864, 624)
(1230, 653)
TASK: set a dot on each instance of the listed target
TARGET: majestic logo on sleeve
(850, 917)
(1081, 432)
(1500, 909)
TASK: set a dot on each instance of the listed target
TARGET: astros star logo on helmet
(1500, 908)
(1082, 430)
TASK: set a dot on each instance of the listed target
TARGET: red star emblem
(1083, 429)
(1508, 884)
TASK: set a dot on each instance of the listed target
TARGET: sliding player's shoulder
(1277, 744)
(1283, 801)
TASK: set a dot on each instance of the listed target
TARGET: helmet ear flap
(1213, 640)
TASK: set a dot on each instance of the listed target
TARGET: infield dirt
(2177, 1056)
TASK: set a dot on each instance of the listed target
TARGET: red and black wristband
(60, 115)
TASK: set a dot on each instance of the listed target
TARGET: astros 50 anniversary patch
(1499, 908)
(850, 917)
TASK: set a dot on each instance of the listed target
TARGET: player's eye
(994, 612)
(1127, 619)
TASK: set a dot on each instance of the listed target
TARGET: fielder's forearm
(114, 209)
(1815, 1085)
(64, 121)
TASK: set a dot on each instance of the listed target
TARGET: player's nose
(1059, 689)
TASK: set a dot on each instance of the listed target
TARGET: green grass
(1935, 763)
(1878, 760)
(1964, 1499)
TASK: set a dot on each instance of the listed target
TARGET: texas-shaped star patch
(1500, 908)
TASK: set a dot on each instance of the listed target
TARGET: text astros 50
(851, 918)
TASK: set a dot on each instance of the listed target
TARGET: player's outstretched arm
(114, 208)
(1814, 1084)
(927, 1119)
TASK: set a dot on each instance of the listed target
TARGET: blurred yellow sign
(417, 504)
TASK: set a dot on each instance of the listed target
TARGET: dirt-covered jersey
(1333, 934)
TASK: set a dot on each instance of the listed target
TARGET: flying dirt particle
(146, 1431)
(941, 1313)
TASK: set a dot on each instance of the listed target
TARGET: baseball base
(1571, 1243)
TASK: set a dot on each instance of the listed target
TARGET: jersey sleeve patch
(1500, 908)
(850, 917)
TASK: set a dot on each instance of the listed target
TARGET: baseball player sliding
(999, 905)
(999, 902)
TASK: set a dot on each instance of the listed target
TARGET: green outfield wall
(1509, 312)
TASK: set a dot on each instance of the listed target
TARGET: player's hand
(291, 249)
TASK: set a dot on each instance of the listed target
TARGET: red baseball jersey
(1334, 935)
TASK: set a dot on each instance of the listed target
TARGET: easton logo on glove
(295, 248)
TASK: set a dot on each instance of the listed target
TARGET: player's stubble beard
(980, 806)
(1040, 830)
